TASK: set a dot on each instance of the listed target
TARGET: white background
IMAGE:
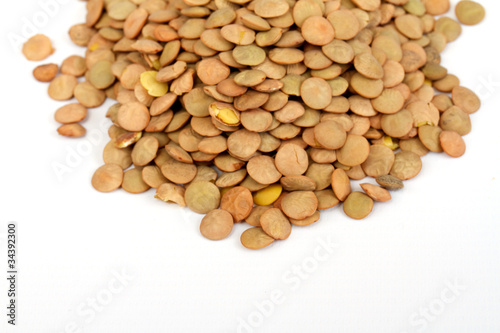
(428, 261)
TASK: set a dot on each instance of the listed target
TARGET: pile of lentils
(263, 111)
